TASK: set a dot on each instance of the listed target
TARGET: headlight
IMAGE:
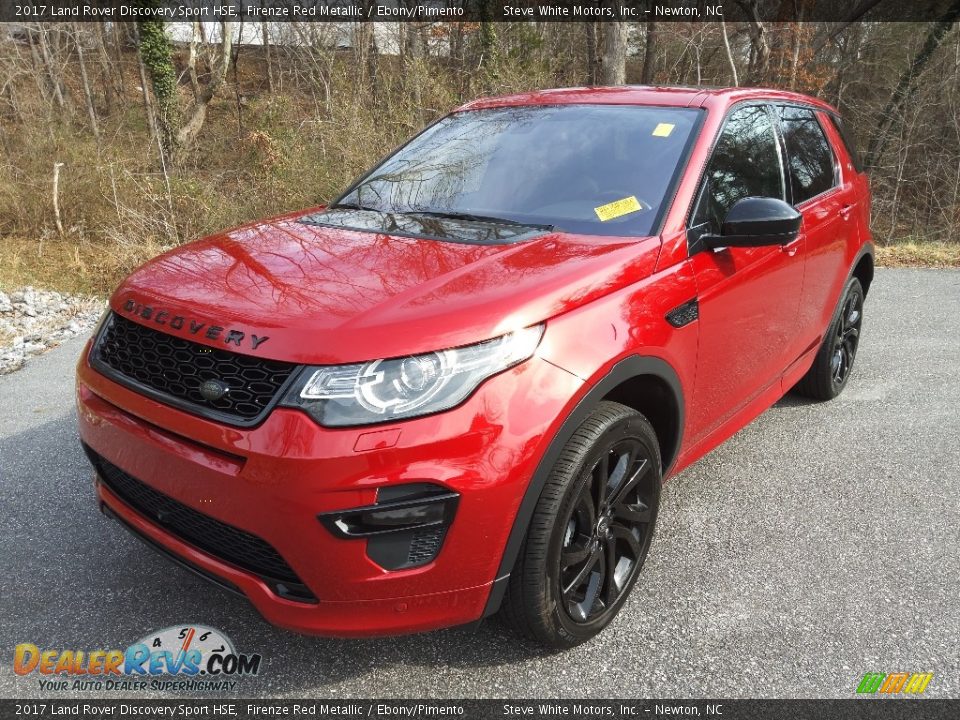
(384, 390)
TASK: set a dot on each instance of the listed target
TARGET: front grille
(237, 547)
(172, 369)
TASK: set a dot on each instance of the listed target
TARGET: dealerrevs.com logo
(186, 657)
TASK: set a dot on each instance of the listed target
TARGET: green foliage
(156, 50)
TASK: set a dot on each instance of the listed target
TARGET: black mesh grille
(424, 546)
(238, 547)
(173, 369)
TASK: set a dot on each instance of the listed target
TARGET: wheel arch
(640, 382)
(863, 268)
(654, 398)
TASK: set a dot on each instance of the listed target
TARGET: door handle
(845, 211)
(791, 247)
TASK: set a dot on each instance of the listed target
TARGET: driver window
(745, 163)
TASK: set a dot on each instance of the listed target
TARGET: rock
(9, 363)
(32, 321)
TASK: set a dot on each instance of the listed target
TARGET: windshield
(593, 169)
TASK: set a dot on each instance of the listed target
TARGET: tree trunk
(87, 93)
(795, 50)
(650, 54)
(197, 112)
(156, 54)
(107, 75)
(268, 52)
(726, 45)
(117, 49)
(147, 105)
(759, 47)
(488, 60)
(48, 65)
(195, 38)
(414, 61)
(614, 53)
(593, 62)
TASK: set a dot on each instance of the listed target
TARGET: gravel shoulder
(817, 544)
(33, 321)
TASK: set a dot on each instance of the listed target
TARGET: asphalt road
(821, 542)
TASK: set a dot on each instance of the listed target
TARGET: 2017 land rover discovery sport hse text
(458, 388)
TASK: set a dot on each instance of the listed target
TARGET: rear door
(827, 202)
(748, 297)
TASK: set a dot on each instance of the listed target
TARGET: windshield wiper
(453, 215)
(351, 206)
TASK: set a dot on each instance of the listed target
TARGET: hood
(286, 290)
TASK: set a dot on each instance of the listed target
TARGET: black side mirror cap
(755, 222)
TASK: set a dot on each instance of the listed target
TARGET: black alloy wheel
(846, 338)
(590, 532)
(607, 532)
(833, 363)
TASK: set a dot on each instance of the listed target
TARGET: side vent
(684, 314)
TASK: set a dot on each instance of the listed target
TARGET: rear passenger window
(849, 141)
(809, 157)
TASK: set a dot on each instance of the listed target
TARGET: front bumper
(274, 480)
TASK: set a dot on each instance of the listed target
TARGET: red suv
(458, 388)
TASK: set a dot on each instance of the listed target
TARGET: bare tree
(759, 47)
(268, 53)
(726, 45)
(196, 113)
(650, 53)
(593, 64)
(906, 86)
(52, 72)
(87, 92)
(614, 53)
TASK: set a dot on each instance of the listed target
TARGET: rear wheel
(834, 361)
(590, 532)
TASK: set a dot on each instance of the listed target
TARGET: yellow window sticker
(618, 208)
(663, 130)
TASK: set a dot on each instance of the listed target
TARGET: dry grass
(919, 254)
(276, 153)
(86, 268)
(95, 268)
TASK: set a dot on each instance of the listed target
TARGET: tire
(831, 368)
(552, 600)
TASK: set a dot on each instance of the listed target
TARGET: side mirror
(757, 221)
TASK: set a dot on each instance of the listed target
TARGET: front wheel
(590, 532)
(834, 361)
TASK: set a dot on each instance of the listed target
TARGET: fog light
(405, 528)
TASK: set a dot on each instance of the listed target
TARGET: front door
(749, 297)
